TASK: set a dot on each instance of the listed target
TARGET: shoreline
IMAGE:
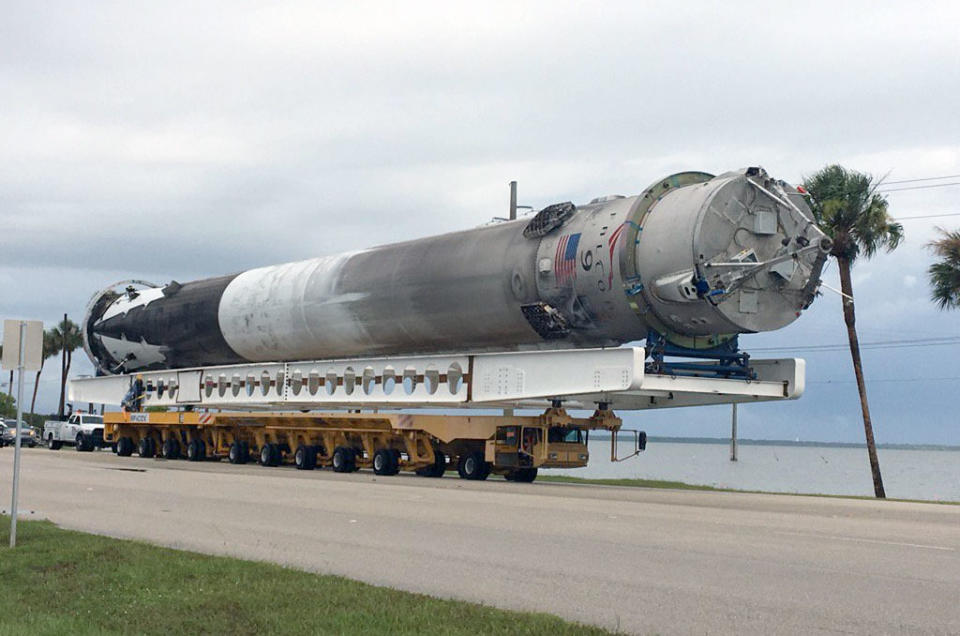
(679, 485)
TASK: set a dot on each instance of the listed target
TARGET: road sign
(33, 345)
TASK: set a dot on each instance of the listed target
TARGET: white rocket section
(291, 311)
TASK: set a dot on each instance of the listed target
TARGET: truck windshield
(565, 435)
(92, 419)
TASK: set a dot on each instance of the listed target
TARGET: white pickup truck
(83, 430)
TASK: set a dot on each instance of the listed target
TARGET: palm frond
(945, 274)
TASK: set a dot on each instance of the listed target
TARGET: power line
(920, 187)
(926, 216)
(944, 379)
(879, 344)
(949, 176)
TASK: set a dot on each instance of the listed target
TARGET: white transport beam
(580, 378)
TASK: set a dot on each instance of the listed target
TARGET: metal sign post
(29, 349)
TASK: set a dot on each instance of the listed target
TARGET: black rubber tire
(276, 454)
(264, 457)
(472, 466)
(143, 447)
(170, 449)
(522, 475)
(55, 445)
(235, 455)
(344, 459)
(84, 443)
(270, 455)
(440, 464)
(125, 447)
(197, 450)
(245, 452)
(385, 462)
(305, 458)
(438, 468)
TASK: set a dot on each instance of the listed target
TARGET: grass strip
(634, 483)
(64, 582)
(679, 485)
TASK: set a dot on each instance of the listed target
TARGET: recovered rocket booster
(696, 258)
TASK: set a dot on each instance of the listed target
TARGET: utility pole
(733, 432)
(512, 217)
(63, 365)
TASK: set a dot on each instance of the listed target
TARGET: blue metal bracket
(723, 361)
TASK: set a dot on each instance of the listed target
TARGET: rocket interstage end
(695, 257)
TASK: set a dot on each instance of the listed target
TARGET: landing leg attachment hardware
(722, 361)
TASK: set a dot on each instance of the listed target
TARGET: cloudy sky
(182, 140)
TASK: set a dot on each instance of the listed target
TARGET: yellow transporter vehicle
(429, 445)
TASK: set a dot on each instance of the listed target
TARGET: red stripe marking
(613, 245)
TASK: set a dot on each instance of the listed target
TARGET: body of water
(907, 474)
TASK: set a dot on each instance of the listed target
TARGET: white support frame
(580, 378)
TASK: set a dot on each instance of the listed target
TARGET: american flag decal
(565, 261)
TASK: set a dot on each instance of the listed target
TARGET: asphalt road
(641, 560)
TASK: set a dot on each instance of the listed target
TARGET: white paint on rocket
(290, 311)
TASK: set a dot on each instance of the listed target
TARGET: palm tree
(945, 274)
(67, 335)
(51, 347)
(847, 207)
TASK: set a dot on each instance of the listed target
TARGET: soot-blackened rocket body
(695, 257)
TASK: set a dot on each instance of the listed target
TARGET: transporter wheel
(270, 455)
(197, 450)
(54, 445)
(125, 447)
(171, 449)
(145, 447)
(437, 469)
(238, 454)
(276, 454)
(522, 475)
(305, 458)
(344, 459)
(385, 462)
(472, 466)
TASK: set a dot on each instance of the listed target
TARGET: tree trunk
(36, 383)
(849, 317)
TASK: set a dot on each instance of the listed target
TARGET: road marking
(857, 539)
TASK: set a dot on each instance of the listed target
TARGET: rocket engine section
(696, 258)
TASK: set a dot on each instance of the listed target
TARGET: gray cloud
(179, 140)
